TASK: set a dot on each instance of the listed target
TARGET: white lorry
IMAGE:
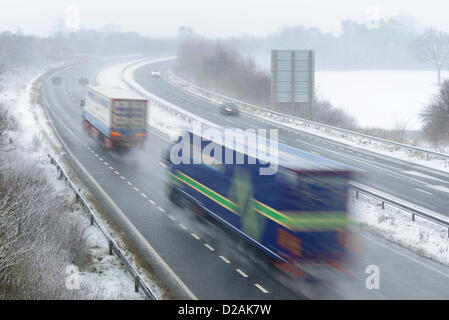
(116, 117)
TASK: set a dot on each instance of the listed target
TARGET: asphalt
(420, 185)
(198, 252)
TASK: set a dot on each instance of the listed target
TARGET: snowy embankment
(102, 276)
(423, 237)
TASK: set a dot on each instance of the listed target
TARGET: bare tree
(436, 117)
(400, 129)
(433, 46)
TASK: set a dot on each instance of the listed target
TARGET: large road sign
(292, 76)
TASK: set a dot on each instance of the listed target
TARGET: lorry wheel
(175, 197)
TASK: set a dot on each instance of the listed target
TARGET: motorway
(203, 258)
(416, 184)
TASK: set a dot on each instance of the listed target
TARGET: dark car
(56, 81)
(229, 108)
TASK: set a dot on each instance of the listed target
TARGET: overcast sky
(211, 18)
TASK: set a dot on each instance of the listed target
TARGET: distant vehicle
(155, 74)
(56, 81)
(115, 117)
(229, 108)
(83, 81)
(297, 215)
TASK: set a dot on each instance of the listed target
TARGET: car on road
(83, 81)
(229, 108)
(56, 81)
(155, 74)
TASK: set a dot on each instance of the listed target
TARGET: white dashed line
(162, 164)
(243, 274)
(116, 172)
(122, 177)
(106, 163)
(152, 202)
(183, 226)
(129, 182)
(162, 210)
(111, 168)
(209, 247)
(195, 236)
(171, 218)
(258, 286)
(224, 259)
(137, 189)
(143, 195)
(101, 159)
(423, 191)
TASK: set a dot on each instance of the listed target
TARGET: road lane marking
(368, 163)
(243, 274)
(406, 256)
(422, 175)
(143, 195)
(209, 247)
(137, 189)
(152, 202)
(121, 213)
(171, 218)
(439, 188)
(258, 286)
(195, 236)
(162, 210)
(183, 226)
(129, 182)
(224, 259)
(423, 191)
(122, 177)
(117, 173)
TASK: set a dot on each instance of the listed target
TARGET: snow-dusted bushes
(41, 233)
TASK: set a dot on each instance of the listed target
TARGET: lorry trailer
(297, 215)
(115, 117)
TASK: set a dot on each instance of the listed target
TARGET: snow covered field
(104, 275)
(379, 98)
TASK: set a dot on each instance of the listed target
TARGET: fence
(113, 248)
(413, 210)
(298, 121)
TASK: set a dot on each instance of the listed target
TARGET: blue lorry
(297, 215)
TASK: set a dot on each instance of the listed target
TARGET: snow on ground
(379, 98)
(158, 118)
(425, 238)
(376, 147)
(354, 141)
(105, 273)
